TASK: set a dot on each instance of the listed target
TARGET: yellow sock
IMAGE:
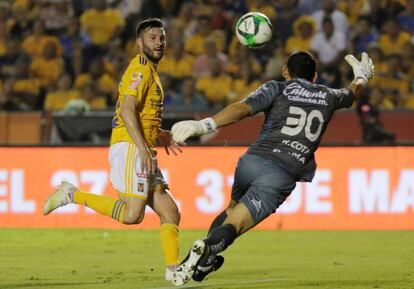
(170, 243)
(102, 204)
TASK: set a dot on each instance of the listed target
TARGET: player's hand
(182, 130)
(362, 69)
(148, 161)
(166, 140)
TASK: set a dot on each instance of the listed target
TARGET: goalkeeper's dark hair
(147, 24)
(302, 64)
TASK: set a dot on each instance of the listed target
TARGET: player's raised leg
(125, 210)
(132, 188)
(164, 206)
(61, 197)
(67, 193)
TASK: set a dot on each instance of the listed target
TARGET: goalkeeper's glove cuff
(208, 125)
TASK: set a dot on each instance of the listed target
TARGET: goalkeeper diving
(297, 112)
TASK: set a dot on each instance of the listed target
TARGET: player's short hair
(147, 24)
(302, 64)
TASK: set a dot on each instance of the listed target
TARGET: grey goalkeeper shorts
(262, 185)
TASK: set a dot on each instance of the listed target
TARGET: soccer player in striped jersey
(136, 129)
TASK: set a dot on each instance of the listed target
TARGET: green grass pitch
(75, 259)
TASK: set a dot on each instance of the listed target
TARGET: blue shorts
(262, 185)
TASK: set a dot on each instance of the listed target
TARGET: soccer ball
(254, 30)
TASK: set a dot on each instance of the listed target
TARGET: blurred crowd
(65, 54)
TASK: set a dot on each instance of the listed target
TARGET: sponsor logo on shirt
(295, 92)
(136, 80)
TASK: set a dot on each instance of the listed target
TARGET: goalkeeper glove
(362, 69)
(182, 130)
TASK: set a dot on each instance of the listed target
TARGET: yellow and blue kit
(140, 80)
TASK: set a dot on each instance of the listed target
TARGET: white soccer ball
(254, 30)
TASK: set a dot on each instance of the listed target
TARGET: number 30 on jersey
(301, 120)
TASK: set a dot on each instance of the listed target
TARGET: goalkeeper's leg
(212, 263)
(238, 221)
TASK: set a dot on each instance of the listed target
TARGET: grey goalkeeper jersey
(297, 113)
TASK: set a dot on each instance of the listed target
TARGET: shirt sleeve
(344, 98)
(262, 98)
(135, 81)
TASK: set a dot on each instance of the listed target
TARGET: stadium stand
(67, 56)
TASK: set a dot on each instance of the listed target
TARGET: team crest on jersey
(136, 80)
(140, 187)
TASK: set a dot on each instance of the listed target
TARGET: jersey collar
(149, 62)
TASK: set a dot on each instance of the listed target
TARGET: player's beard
(152, 54)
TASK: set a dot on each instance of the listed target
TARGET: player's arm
(257, 101)
(363, 71)
(230, 114)
(128, 114)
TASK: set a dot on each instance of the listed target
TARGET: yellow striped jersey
(140, 80)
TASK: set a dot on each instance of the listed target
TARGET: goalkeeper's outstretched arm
(232, 113)
(182, 130)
